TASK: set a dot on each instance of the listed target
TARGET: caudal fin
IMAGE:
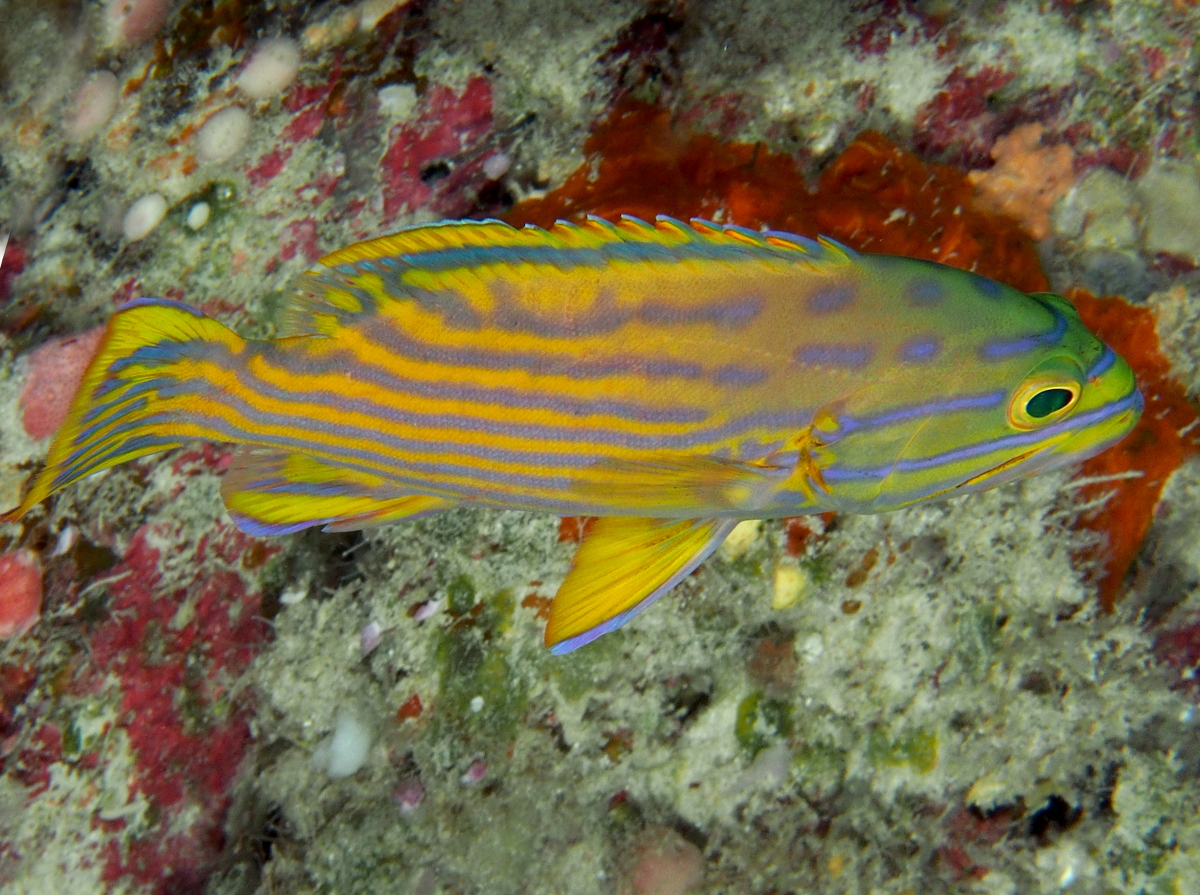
(128, 404)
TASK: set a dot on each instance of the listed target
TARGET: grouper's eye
(1048, 394)
(1048, 401)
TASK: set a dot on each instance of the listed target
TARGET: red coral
(875, 37)
(638, 163)
(447, 127)
(32, 765)
(11, 265)
(644, 50)
(269, 166)
(1165, 436)
(301, 237)
(801, 530)
(958, 120)
(411, 709)
(1180, 649)
(320, 189)
(203, 458)
(174, 667)
(15, 683)
(305, 125)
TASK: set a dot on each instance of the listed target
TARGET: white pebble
(742, 538)
(769, 771)
(398, 100)
(143, 216)
(346, 750)
(294, 594)
(271, 69)
(477, 704)
(223, 136)
(95, 102)
(496, 166)
(371, 11)
(476, 772)
(790, 584)
(198, 215)
(369, 637)
(66, 540)
(133, 22)
(428, 609)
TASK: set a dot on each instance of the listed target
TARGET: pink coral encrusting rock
(666, 864)
(55, 370)
(181, 707)
(448, 125)
(1027, 179)
(20, 592)
(133, 22)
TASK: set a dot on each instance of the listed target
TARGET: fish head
(1023, 405)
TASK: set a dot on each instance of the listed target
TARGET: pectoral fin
(271, 492)
(622, 566)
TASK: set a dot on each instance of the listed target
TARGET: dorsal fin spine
(327, 291)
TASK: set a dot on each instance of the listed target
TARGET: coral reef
(1027, 179)
(995, 694)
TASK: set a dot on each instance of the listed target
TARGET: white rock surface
(1170, 194)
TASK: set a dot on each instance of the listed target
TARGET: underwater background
(995, 694)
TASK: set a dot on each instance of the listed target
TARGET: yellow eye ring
(1043, 400)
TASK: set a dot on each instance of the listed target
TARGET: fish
(670, 378)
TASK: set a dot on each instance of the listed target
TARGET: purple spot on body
(664, 369)
(924, 292)
(1000, 349)
(733, 312)
(830, 299)
(846, 357)
(987, 288)
(739, 377)
(920, 349)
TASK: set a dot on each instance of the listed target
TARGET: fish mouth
(1007, 464)
(988, 473)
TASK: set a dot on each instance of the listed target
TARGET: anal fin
(272, 492)
(624, 565)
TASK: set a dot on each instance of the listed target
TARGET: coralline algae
(20, 592)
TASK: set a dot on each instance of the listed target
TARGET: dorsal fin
(351, 281)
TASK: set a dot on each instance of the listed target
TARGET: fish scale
(671, 378)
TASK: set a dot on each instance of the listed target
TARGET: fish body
(669, 378)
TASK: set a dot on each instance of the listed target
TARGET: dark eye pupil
(1047, 402)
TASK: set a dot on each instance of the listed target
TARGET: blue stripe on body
(1079, 422)
(581, 435)
(981, 401)
(1002, 349)
(1107, 358)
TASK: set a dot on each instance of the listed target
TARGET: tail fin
(123, 408)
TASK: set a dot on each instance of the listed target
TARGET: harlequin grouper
(671, 379)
